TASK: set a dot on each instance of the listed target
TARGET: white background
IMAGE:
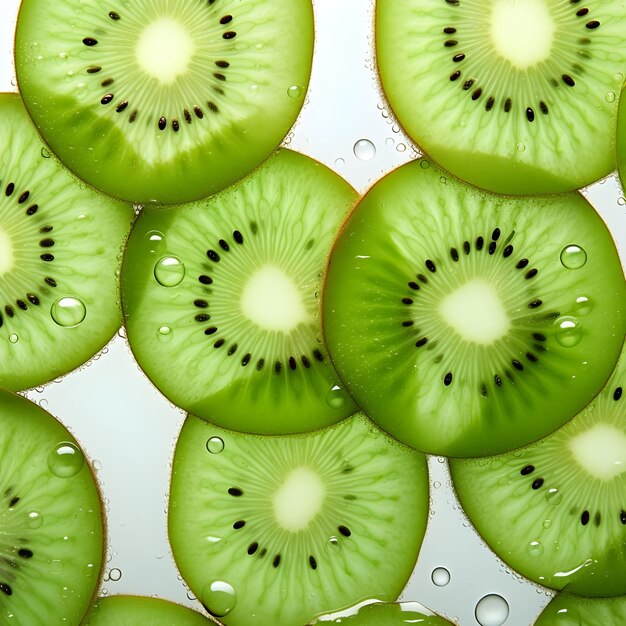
(129, 429)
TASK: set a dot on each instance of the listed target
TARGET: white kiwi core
(475, 311)
(6, 253)
(522, 31)
(272, 300)
(299, 499)
(164, 49)
(601, 451)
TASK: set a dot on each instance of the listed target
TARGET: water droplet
(547, 523)
(218, 597)
(169, 271)
(333, 542)
(34, 519)
(14, 337)
(336, 398)
(621, 201)
(436, 484)
(424, 164)
(440, 576)
(254, 88)
(65, 460)
(68, 311)
(553, 496)
(97, 465)
(164, 334)
(364, 149)
(401, 147)
(520, 147)
(567, 617)
(115, 574)
(534, 548)
(443, 180)
(568, 332)
(584, 305)
(339, 162)
(295, 91)
(215, 445)
(610, 96)
(573, 257)
(492, 610)
(63, 55)
(390, 141)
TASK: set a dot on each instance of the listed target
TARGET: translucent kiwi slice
(276, 530)
(515, 97)
(51, 538)
(556, 511)
(164, 101)
(384, 614)
(466, 324)
(60, 250)
(138, 610)
(569, 610)
(221, 299)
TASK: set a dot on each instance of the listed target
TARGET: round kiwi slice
(138, 611)
(51, 543)
(276, 530)
(60, 249)
(164, 101)
(384, 614)
(467, 324)
(556, 510)
(570, 610)
(507, 95)
(221, 299)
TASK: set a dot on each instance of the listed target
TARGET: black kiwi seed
(252, 548)
(617, 394)
(527, 469)
(6, 589)
(622, 517)
(312, 562)
(276, 561)
(90, 41)
(344, 530)
(584, 518)
(239, 524)
(235, 491)
(537, 483)
(114, 16)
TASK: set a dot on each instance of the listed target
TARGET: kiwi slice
(138, 610)
(467, 324)
(221, 299)
(51, 543)
(164, 101)
(556, 511)
(384, 614)
(570, 610)
(507, 95)
(60, 248)
(276, 530)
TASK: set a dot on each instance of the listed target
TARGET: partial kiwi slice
(164, 101)
(60, 251)
(51, 542)
(384, 614)
(465, 323)
(556, 511)
(570, 610)
(507, 95)
(276, 530)
(139, 611)
(621, 141)
(221, 299)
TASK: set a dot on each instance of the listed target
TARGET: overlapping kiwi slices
(221, 299)
(515, 97)
(570, 610)
(60, 250)
(51, 539)
(139, 611)
(467, 324)
(164, 101)
(276, 530)
(556, 511)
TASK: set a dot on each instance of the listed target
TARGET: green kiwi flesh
(467, 324)
(514, 97)
(51, 538)
(140, 611)
(555, 511)
(163, 101)
(621, 141)
(384, 614)
(221, 299)
(276, 530)
(60, 250)
(570, 610)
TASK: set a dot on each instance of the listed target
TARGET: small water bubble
(190, 596)
(436, 484)
(218, 597)
(14, 337)
(520, 147)
(440, 576)
(534, 548)
(443, 180)
(567, 617)
(390, 141)
(401, 147)
(295, 92)
(63, 55)
(336, 397)
(553, 496)
(169, 271)
(333, 543)
(364, 149)
(65, 460)
(609, 96)
(424, 164)
(34, 519)
(568, 331)
(395, 128)
(584, 305)
(254, 88)
(339, 162)
(547, 523)
(215, 445)
(115, 574)
(621, 201)
(97, 465)
(68, 311)
(573, 257)
(13, 81)
(164, 334)
(492, 610)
